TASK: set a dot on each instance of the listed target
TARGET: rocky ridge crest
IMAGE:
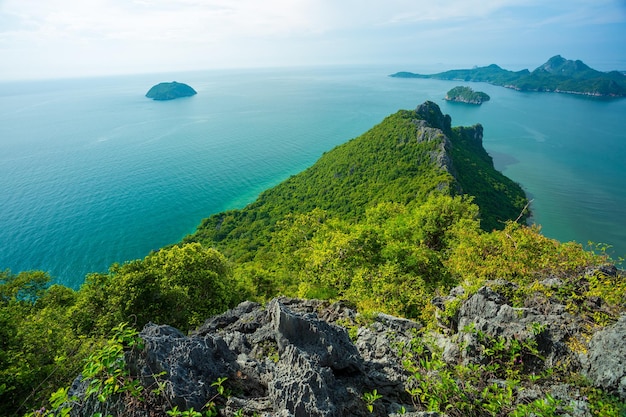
(297, 357)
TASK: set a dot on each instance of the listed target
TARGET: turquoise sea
(92, 172)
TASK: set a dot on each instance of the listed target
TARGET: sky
(72, 38)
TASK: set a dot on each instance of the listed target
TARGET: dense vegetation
(386, 221)
(466, 95)
(405, 158)
(557, 75)
(46, 331)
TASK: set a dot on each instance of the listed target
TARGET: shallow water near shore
(95, 173)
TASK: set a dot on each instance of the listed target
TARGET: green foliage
(39, 349)
(106, 373)
(517, 253)
(175, 412)
(603, 404)
(105, 369)
(499, 198)
(26, 287)
(542, 407)
(46, 332)
(391, 261)
(558, 74)
(180, 286)
(467, 95)
(107, 376)
(60, 403)
(380, 222)
(370, 398)
(399, 161)
(488, 387)
(210, 409)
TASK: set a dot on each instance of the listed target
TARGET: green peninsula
(170, 91)
(404, 159)
(463, 94)
(557, 75)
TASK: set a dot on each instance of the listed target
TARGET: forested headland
(388, 222)
(558, 75)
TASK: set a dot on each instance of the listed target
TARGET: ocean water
(92, 172)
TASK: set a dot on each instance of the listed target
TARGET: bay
(95, 173)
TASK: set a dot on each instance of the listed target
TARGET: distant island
(557, 75)
(463, 94)
(170, 91)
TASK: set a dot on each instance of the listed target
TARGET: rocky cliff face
(311, 358)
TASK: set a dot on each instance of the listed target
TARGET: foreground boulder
(605, 362)
(285, 359)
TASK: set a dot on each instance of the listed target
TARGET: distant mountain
(558, 75)
(170, 91)
(557, 65)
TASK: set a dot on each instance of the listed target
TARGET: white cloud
(188, 19)
(147, 20)
(123, 35)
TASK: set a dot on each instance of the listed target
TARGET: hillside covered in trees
(410, 219)
(555, 75)
(463, 94)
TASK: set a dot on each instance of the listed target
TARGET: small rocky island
(170, 91)
(466, 95)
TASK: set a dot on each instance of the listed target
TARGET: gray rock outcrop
(285, 359)
(431, 112)
(605, 362)
(548, 324)
(311, 358)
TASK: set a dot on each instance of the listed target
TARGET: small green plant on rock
(175, 412)
(541, 407)
(485, 388)
(370, 398)
(106, 373)
(106, 369)
(60, 403)
(210, 409)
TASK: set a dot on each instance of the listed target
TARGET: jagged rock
(608, 370)
(328, 345)
(291, 358)
(281, 359)
(490, 312)
(431, 112)
(302, 387)
(379, 344)
(191, 364)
